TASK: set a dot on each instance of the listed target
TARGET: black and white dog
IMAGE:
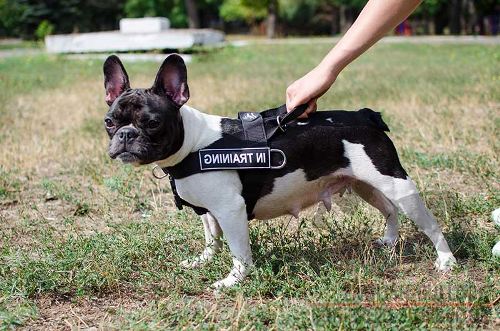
(155, 126)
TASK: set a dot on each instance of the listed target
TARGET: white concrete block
(129, 57)
(115, 41)
(144, 25)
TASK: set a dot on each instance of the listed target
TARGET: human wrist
(328, 71)
(335, 62)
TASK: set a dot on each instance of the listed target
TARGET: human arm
(376, 19)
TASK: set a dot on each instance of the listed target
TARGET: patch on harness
(239, 158)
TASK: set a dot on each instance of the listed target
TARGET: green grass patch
(463, 161)
(77, 227)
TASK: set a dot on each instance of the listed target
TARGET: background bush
(25, 18)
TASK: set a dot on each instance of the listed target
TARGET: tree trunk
(192, 11)
(469, 16)
(271, 19)
(345, 19)
(335, 29)
(455, 15)
(441, 19)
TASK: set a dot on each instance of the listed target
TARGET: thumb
(291, 100)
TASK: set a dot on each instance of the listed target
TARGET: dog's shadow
(342, 244)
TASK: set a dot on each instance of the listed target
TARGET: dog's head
(145, 125)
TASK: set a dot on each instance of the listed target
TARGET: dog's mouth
(126, 157)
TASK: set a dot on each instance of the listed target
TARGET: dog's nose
(127, 134)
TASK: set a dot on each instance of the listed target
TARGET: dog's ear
(171, 80)
(115, 78)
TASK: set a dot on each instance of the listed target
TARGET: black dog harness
(246, 148)
(245, 144)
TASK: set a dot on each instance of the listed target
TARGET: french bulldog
(155, 125)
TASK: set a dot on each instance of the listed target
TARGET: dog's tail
(375, 118)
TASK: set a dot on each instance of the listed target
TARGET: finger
(311, 107)
(290, 104)
(294, 102)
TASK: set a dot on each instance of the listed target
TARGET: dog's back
(319, 153)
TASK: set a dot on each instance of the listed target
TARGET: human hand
(308, 89)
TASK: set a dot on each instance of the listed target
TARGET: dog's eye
(109, 123)
(152, 124)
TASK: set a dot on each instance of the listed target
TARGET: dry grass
(87, 242)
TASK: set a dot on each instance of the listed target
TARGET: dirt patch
(84, 313)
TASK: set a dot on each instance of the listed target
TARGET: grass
(85, 241)
(14, 44)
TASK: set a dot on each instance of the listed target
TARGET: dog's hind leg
(403, 194)
(213, 243)
(375, 198)
(413, 207)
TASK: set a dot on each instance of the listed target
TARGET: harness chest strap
(179, 202)
(217, 157)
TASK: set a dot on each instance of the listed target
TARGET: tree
(455, 8)
(192, 11)
(272, 9)
(236, 10)
(23, 17)
(10, 17)
(174, 10)
(252, 11)
(181, 13)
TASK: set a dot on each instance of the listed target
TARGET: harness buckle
(155, 174)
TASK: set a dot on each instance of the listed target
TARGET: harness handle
(283, 120)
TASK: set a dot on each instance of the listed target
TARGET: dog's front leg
(213, 243)
(229, 210)
(234, 224)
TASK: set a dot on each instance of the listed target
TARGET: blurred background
(88, 243)
(34, 19)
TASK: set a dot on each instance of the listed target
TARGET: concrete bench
(135, 35)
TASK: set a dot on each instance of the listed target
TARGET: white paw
(191, 264)
(206, 256)
(236, 275)
(445, 264)
(229, 281)
(386, 241)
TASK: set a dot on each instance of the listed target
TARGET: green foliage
(484, 6)
(23, 18)
(172, 9)
(234, 10)
(44, 29)
(356, 4)
(37, 18)
(10, 17)
(430, 7)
